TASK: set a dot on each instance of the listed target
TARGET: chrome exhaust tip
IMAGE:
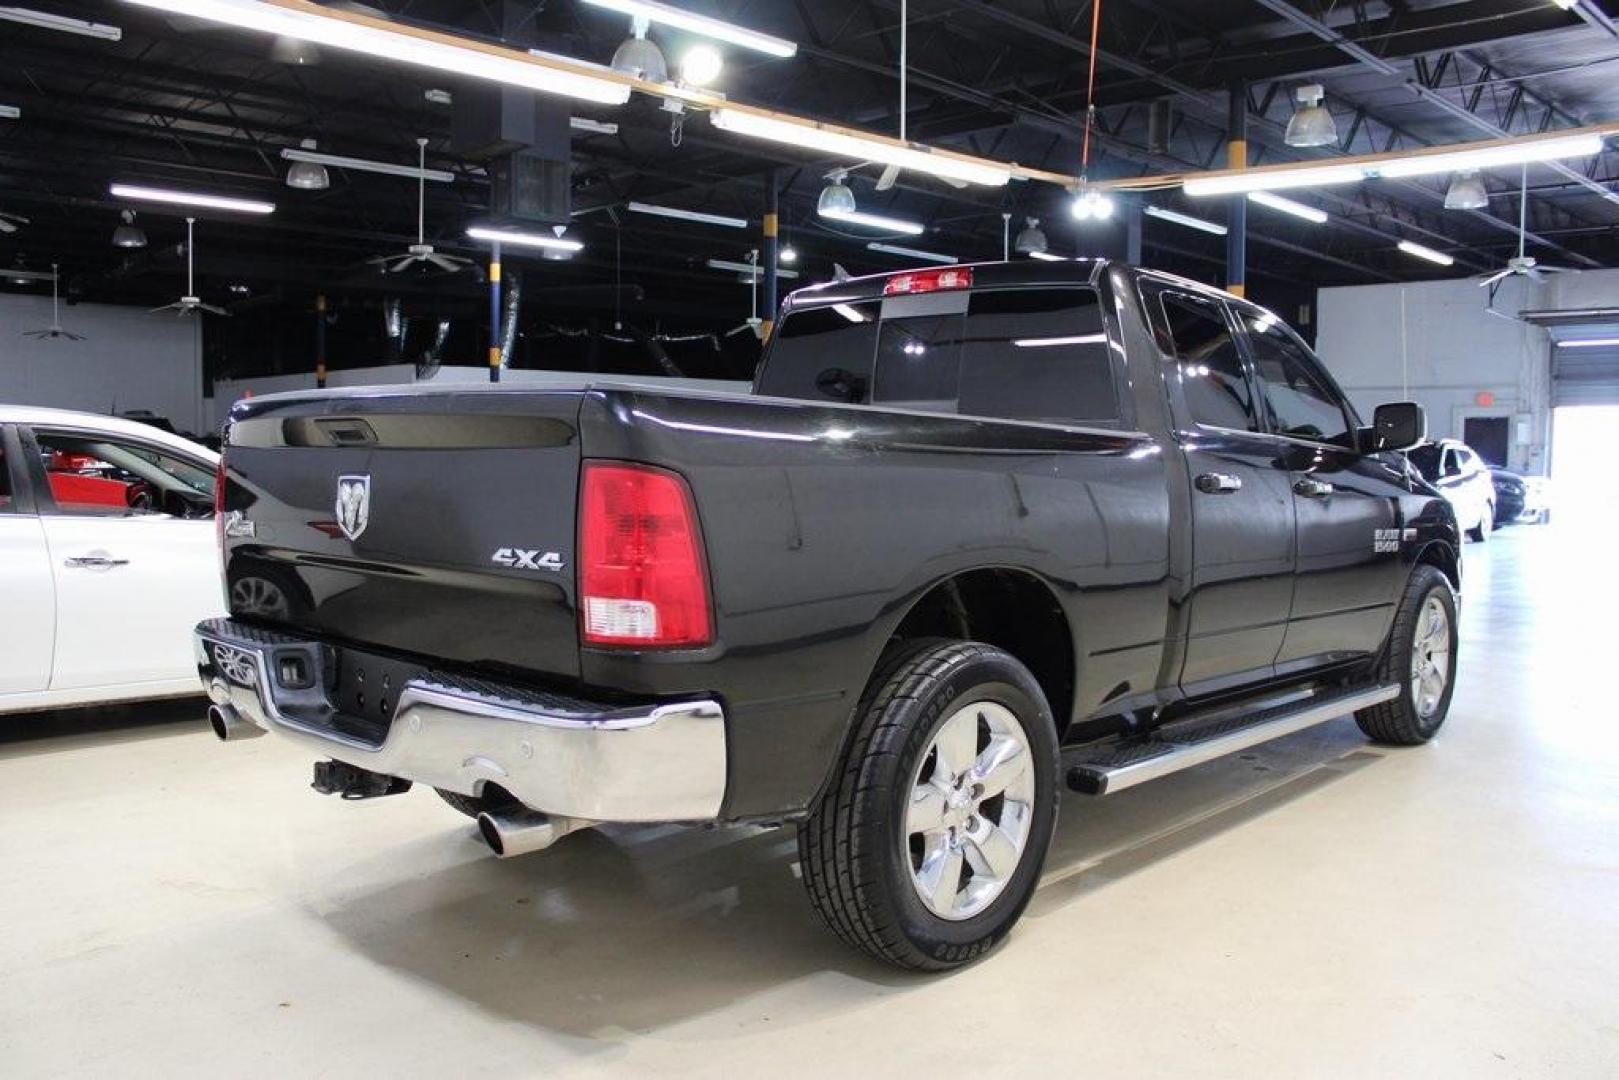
(510, 833)
(228, 724)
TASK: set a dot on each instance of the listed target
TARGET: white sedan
(108, 558)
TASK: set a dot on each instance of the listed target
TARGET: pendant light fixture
(1311, 123)
(129, 234)
(308, 175)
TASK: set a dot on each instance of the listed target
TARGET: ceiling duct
(523, 138)
(1158, 122)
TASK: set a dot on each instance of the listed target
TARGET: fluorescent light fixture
(850, 312)
(688, 215)
(294, 153)
(1235, 183)
(1589, 343)
(595, 127)
(1288, 206)
(1046, 256)
(404, 45)
(875, 221)
(1487, 157)
(913, 253)
(808, 135)
(1425, 253)
(190, 198)
(523, 239)
(1277, 178)
(746, 268)
(9, 112)
(18, 276)
(717, 29)
(47, 21)
(1044, 342)
(1184, 219)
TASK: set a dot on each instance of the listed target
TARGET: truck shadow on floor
(57, 730)
(632, 930)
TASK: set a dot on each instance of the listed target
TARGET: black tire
(1399, 721)
(854, 851)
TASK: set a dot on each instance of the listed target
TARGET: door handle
(1312, 489)
(94, 562)
(1217, 483)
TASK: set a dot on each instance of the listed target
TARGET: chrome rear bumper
(654, 762)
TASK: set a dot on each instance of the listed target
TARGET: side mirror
(1398, 425)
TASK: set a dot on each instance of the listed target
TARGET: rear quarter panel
(824, 524)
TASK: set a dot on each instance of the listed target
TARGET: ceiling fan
(890, 173)
(890, 176)
(10, 221)
(190, 301)
(54, 332)
(421, 252)
(1520, 264)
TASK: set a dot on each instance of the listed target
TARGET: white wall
(130, 359)
(227, 392)
(1434, 343)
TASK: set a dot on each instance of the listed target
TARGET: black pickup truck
(978, 533)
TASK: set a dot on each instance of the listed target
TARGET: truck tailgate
(432, 525)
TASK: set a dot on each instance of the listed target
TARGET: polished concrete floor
(1317, 908)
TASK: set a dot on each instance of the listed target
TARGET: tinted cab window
(1193, 332)
(1300, 400)
(1017, 354)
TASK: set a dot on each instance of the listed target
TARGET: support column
(1132, 230)
(494, 312)
(1236, 237)
(320, 342)
(772, 253)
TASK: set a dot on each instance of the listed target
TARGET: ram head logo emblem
(353, 505)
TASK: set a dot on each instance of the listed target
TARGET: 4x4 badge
(524, 559)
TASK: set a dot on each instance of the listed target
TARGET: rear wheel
(927, 845)
(1421, 658)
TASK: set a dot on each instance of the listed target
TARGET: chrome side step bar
(1125, 764)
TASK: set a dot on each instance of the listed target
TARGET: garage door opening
(1583, 491)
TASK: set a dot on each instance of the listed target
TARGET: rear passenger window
(1196, 336)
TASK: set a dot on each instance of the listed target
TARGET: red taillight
(920, 281)
(640, 557)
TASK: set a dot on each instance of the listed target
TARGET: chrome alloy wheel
(970, 811)
(1430, 657)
